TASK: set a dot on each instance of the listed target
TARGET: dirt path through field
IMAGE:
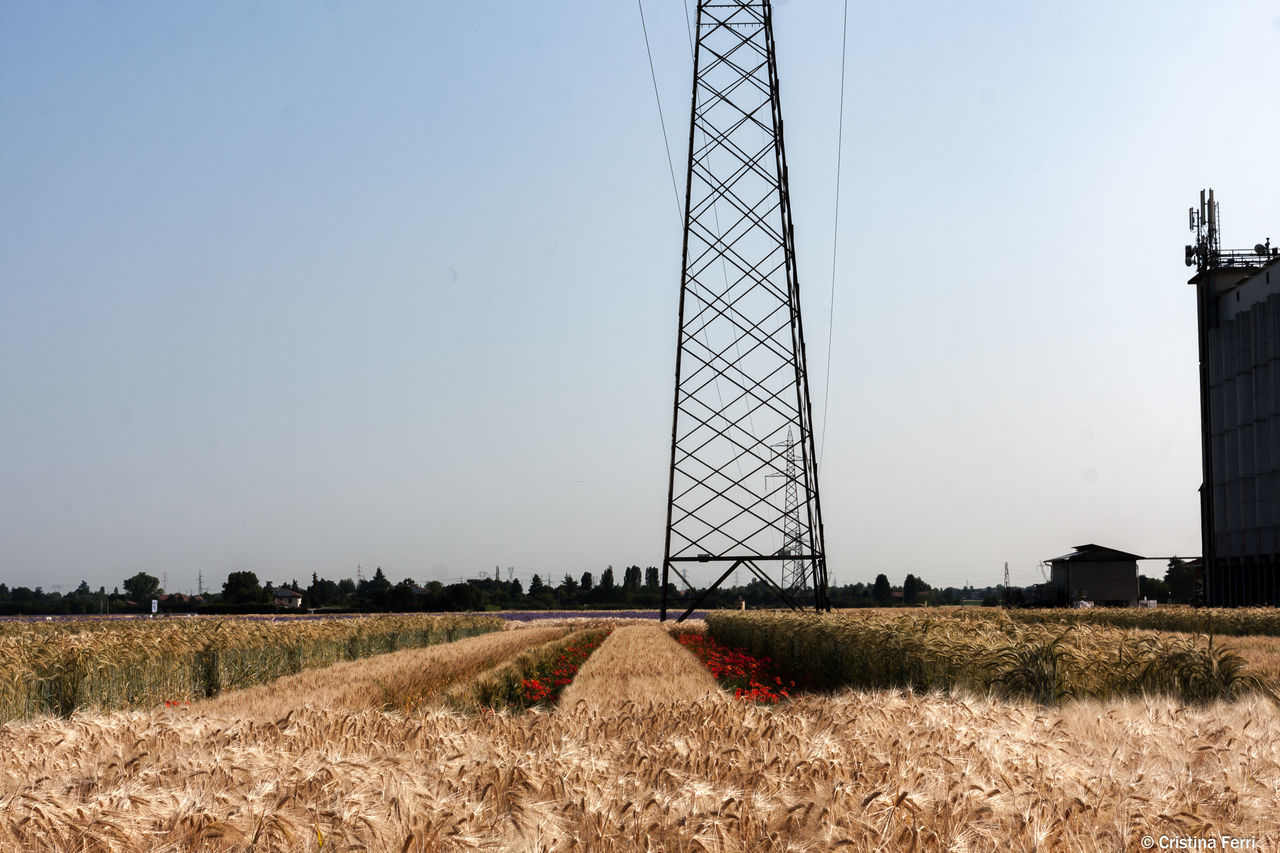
(640, 664)
(400, 680)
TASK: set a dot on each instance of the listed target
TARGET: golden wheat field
(642, 753)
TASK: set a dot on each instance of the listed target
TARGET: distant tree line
(243, 592)
(1177, 587)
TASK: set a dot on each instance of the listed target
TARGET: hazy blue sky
(293, 287)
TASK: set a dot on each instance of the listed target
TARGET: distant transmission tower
(741, 381)
(794, 570)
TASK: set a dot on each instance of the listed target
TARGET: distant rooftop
(1096, 553)
(1235, 265)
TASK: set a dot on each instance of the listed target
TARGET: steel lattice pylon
(795, 571)
(735, 499)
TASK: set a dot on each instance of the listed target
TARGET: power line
(835, 234)
(680, 212)
(654, 76)
(688, 27)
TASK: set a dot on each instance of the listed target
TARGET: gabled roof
(285, 592)
(1096, 553)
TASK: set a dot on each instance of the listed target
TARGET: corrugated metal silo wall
(1244, 393)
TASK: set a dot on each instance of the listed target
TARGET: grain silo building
(1238, 309)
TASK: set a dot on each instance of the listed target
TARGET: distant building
(1238, 314)
(1093, 573)
(282, 596)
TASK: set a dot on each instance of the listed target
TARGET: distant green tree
(567, 592)
(497, 593)
(403, 597)
(651, 578)
(586, 582)
(604, 592)
(433, 596)
(910, 590)
(882, 592)
(1153, 588)
(375, 590)
(321, 592)
(540, 595)
(1181, 579)
(850, 595)
(142, 587)
(81, 600)
(463, 596)
(243, 588)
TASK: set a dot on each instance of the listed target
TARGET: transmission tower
(741, 382)
(794, 573)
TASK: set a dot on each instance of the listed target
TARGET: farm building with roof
(1097, 574)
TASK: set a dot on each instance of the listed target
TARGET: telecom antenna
(741, 384)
